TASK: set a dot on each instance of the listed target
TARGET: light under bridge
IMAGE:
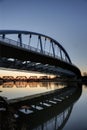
(25, 50)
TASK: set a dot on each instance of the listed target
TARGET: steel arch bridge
(36, 52)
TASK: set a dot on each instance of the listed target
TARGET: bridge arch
(45, 52)
(54, 44)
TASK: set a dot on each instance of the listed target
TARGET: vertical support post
(55, 122)
(0, 52)
(63, 116)
(44, 44)
(65, 58)
(29, 39)
(41, 45)
(58, 51)
(53, 48)
(20, 39)
(60, 54)
(3, 36)
(49, 48)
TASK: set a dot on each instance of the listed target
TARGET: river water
(68, 114)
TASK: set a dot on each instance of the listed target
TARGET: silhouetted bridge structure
(34, 52)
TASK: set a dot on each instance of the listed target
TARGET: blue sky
(63, 20)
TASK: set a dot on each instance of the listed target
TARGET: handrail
(25, 46)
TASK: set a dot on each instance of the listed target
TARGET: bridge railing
(9, 41)
(16, 43)
(31, 48)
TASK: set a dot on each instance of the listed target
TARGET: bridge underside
(33, 66)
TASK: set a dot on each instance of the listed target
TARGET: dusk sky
(63, 20)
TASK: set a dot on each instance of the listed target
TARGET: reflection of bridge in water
(34, 52)
(53, 117)
(23, 84)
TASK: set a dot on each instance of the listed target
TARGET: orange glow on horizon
(14, 73)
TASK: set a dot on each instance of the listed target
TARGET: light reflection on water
(19, 89)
